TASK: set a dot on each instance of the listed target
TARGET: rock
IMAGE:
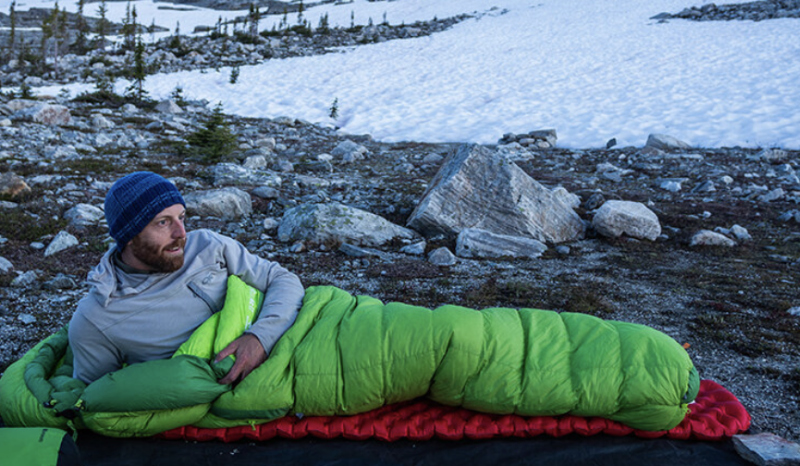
(169, 107)
(102, 140)
(741, 233)
(767, 449)
(59, 282)
(320, 223)
(481, 244)
(62, 241)
(129, 108)
(478, 188)
(5, 265)
(266, 192)
(594, 201)
(25, 280)
(665, 143)
(83, 215)
(774, 195)
(349, 151)
(225, 203)
(634, 219)
(705, 187)
(710, 238)
(266, 143)
(672, 185)
(442, 256)
(611, 143)
(795, 311)
(356, 251)
(432, 159)
(416, 249)
(226, 174)
(271, 224)
(101, 122)
(11, 185)
(775, 156)
(46, 114)
(541, 139)
(258, 162)
(26, 319)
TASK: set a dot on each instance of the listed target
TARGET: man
(158, 284)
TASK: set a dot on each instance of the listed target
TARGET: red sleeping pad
(716, 414)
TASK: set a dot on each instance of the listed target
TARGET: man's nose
(178, 230)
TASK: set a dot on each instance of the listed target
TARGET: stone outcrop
(480, 244)
(319, 223)
(477, 188)
(225, 203)
(617, 218)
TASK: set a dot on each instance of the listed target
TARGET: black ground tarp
(598, 450)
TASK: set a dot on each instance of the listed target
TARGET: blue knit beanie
(134, 200)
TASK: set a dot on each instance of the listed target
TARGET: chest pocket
(201, 286)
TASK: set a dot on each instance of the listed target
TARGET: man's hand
(249, 354)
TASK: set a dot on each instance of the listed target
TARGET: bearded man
(158, 284)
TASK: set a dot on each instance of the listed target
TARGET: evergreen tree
(324, 24)
(215, 141)
(129, 28)
(102, 25)
(12, 16)
(82, 28)
(54, 34)
(255, 17)
(234, 74)
(138, 72)
(300, 10)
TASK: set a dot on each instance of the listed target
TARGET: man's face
(159, 246)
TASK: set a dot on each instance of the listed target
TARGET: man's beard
(155, 257)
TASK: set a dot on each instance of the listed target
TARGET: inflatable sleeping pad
(350, 354)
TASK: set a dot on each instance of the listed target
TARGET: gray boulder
(349, 151)
(169, 107)
(615, 218)
(478, 188)
(442, 256)
(227, 174)
(5, 265)
(767, 449)
(319, 223)
(480, 244)
(83, 215)
(46, 114)
(62, 241)
(666, 143)
(225, 203)
(711, 238)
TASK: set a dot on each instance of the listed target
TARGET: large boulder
(83, 215)
(227, 174)
(665, 142)
(480, 244)
(46, 114)
(11, 185)
(479, 188)
(318, 223)
(615, 218)
(225, 203)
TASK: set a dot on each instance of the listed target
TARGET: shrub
(215, 141)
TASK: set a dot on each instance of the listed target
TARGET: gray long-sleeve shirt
(134, 317)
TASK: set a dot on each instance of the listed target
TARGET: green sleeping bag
(346, 355)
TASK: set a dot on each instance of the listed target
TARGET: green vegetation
(22, 226)
(215, 141)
